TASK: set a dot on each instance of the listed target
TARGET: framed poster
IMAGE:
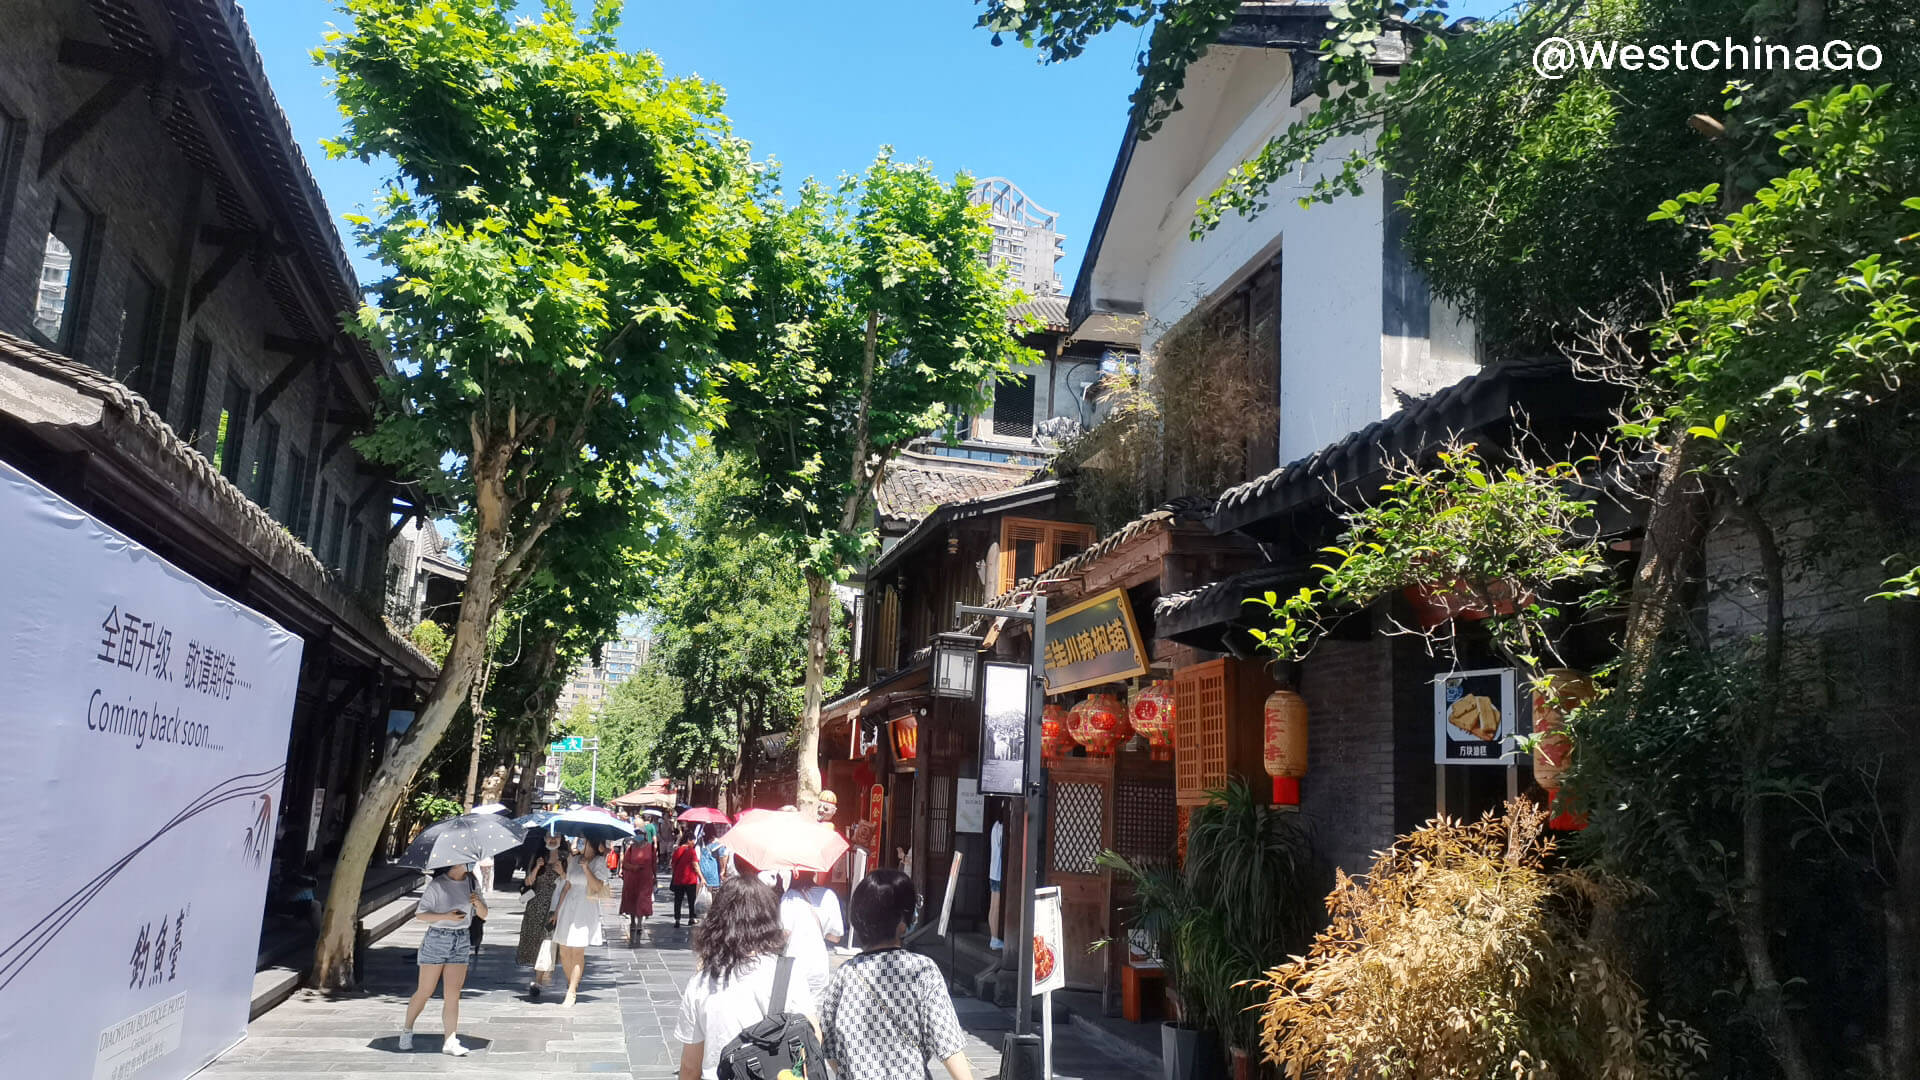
(1049, 970)
(1003, 736)
(969, 806)
(1474, 717)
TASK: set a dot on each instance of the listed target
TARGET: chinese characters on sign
(156, 951)
(136, 644)
(1093, 642)
(145, 647)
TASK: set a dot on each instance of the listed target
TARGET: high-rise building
(591, 682)
(1026, 238)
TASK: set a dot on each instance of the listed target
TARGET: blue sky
(820, 87)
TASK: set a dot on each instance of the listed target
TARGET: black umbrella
(464, 839)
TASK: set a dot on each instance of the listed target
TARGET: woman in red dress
(637, 874)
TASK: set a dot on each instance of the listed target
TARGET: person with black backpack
(743, 1015)
(887, 1012)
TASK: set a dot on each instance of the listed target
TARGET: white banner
(146, 718)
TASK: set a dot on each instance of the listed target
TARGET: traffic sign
(571, 744)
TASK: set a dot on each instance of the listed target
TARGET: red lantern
(1054, 740)
(1103, 724)
(1153, 718)
(906, 738)
(1285, 748)
(1558, 693)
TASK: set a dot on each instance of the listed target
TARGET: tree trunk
(1750, 907)
(333, 953)
(807, 744)
(1670, 553)
(473, 759)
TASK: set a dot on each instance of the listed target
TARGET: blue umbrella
(591, 823)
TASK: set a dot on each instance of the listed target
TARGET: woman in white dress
(576, 912)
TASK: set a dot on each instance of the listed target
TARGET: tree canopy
(563, 232)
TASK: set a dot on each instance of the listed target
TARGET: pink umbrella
(704, 815)
(785, 840)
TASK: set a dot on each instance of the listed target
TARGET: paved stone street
(622, 1024)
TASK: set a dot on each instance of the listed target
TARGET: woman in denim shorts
(446, 905)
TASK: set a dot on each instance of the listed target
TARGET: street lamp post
(1020, 1054)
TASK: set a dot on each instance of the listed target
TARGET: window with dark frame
(193, 409)
(139, 331)
(317, 539)
(56, 307)
(337, 533)
(1013, 407)
(298, 505)
(266, 464)
(230, 432)
(356, 543)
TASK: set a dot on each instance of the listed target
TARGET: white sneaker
(406, 1040)
(996, 944)
(454, 1047)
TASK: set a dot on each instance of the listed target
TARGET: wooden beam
(372, 490)
(394, 529)
(308, 347)
(68, 133)
(349, 417)
(272, 391)
(334, 444)
(109, 60)
(203, 287)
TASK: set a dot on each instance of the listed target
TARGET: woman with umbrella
(544, 873)
(576, 917)
(447, 905)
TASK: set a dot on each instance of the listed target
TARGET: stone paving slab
(622, 1024)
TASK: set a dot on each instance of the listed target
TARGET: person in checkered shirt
(886, 1013)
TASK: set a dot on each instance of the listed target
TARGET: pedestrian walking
(543, 877)
(807, 888)
(887, 1013)
(447, 903)
(576, 912)
(736, 951)
(638, 874)
(686, 877)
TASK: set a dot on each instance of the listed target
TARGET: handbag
(544, 962)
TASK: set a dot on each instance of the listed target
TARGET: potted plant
(1245, 899)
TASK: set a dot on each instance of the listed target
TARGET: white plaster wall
(1339, 370)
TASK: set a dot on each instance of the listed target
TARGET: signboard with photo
(148, 718)
(1474, 717)
(1049, 962)
(1003, 739)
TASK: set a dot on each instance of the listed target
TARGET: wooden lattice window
(1029, 547)
(1144, 822)
(1079, 822)
(1200, 706)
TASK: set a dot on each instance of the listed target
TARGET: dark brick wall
(1348, 792)
(147, 201)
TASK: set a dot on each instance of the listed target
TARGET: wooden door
(1079, 828)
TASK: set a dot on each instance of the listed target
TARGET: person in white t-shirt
(824, 901)
(737, 948)
(996, 845)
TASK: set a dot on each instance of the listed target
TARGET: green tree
(562, 233)
(875, 320)
(733, 611)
